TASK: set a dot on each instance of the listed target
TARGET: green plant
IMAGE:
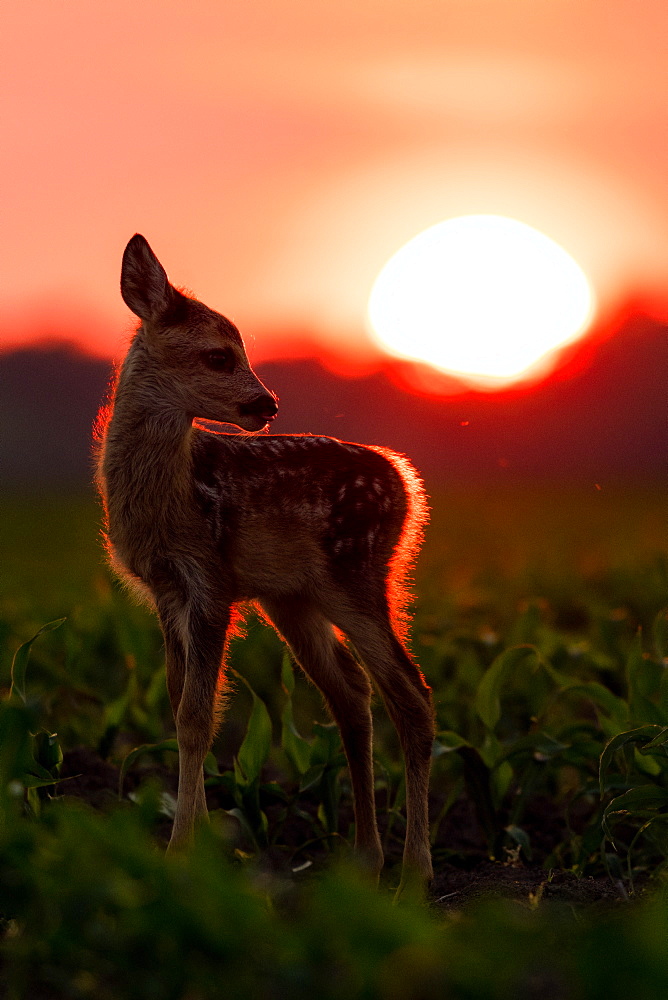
(29, 760)
(315, 763)
(552, 720)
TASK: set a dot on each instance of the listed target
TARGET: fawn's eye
(219, 360)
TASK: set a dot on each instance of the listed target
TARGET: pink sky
(275, 154)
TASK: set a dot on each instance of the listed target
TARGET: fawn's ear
(145, 286)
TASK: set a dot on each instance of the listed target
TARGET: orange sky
(275, 154)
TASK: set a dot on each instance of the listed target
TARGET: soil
(463, 872)
(453, 888)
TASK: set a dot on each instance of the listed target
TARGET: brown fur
(319, 533)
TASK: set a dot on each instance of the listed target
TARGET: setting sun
(482, 296)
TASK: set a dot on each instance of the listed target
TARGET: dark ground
(469, 877)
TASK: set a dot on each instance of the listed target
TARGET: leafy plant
(28, 761)
(316, 763)
(538, 629)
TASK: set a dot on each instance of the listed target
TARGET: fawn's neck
(146, 465)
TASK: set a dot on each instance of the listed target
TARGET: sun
(484, 297)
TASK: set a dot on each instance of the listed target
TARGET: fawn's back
(296, 513)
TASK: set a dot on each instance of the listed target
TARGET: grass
(541, 626)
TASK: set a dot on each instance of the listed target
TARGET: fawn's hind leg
(408, 701)
(194, 661)
(347, 691)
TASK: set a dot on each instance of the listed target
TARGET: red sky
(275, 154)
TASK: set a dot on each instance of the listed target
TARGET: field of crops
(541, 626)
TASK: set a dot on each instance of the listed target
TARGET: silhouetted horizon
(604, 419)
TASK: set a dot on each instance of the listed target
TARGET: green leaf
(145, 748)
(275, 790)
(211, 765)
(246, 827)
(521, 838)
(297, 749)
(487, 701)
(329, 791)
(541, 746)
(641, 797)
(256, 745)
(634, 802)
(647, 764)
(446, 741)
(33, 769)
(18, 747)
(326, 760)
(644, 679)
(453, 795)
(327, 757)
(326, 747)
(227, 781)
(15, 742)
(501, 777)
(642, 734)
(20, 661)
(477, 776)
(48, 751)
(115, 710)
(157, 688)
(659, 742)
(31, 781)
(615, 709)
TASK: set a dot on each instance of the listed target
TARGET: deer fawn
(318, 533)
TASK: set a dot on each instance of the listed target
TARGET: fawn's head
(197, 357)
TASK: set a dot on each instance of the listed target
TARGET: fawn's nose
(264, 406)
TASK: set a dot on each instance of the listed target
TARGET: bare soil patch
(468, 877)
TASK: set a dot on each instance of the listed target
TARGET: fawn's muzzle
(263, 406)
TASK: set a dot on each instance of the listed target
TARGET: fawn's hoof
(369, 861)
(415, 882)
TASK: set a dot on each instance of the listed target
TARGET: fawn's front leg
(194, 661)
(175, 663)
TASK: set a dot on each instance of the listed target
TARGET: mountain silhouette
(48, 401)
(606, 420)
